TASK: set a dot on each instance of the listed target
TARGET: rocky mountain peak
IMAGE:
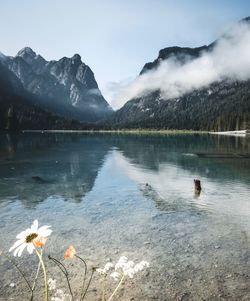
(181, 54)
(26, 51)
(66, 86)
(36, 61)
(246, 20)
(76, 58)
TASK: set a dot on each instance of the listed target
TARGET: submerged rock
(40, 180)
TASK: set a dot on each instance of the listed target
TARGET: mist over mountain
(66, 87)
(203, 88)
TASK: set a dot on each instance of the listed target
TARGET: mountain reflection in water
(36, 166)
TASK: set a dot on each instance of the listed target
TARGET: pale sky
(114, 37)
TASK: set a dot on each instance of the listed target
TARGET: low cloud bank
(229, 59)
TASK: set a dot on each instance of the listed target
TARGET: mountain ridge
(66, 87)
(222, 105)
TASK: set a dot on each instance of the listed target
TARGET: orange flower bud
(70, 253)
(39, 241)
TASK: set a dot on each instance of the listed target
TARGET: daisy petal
(16, 250)
(22, 247)
(23, 234)
(45, 233)
(43, 228)
(30, 248)
(34, 226)
(16, 244)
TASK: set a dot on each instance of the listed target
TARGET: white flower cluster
(128, 267)
(106, 268)
(61, 296)
(52, 284)
(124, 267)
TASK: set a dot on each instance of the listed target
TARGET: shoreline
(125, 131)
(240, 133)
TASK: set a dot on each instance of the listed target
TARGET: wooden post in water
(197, 187)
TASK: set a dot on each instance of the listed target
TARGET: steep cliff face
(66, 87)
(18, 111)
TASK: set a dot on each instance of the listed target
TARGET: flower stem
(85, 272)
(37, 272)
(34, 283)
(17, 267)
(83, 296)
(103, 288)
(44, 273)
(116, 289)
(65, 272)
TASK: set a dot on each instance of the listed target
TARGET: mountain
(18, 110)
(181, 54)
(66, 87)
(222, 105)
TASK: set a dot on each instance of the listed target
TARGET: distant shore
(240, 133)
(122, 131)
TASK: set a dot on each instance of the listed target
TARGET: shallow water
(132, 195)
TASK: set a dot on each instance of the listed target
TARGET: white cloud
(229, 59)
(113, 91)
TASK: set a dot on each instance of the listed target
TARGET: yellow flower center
(30, 237)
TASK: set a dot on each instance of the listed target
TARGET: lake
(118, 194)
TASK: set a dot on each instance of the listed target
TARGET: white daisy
(30, 237)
